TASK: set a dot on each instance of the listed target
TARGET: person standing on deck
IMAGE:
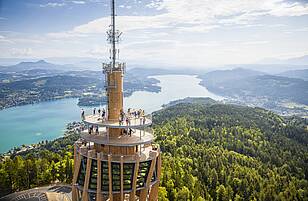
(82, 114)
(96, 130)
(103, 113)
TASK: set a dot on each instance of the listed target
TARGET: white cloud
(65, 35)
(262, 42)
(196, 15)
(97, 51)
(185, 32)
(288, 9)
(4, 39)
(21, 52)
(78, 2)
(52, 4)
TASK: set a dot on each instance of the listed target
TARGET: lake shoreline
(30, 124)
(78, 97)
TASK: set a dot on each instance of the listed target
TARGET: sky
(197, 33)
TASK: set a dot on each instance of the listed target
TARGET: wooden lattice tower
(115, 158)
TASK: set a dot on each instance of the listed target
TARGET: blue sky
(157, 32)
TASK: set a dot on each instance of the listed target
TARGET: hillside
(303, 60)
(211, 151)
(241, 83)
(300, 74)
(37, 85)
(271, 68)
(41, 64)
(221, 76)
(227, 152)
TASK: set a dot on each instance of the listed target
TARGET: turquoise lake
(46, 121)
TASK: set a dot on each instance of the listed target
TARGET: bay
(30, 124)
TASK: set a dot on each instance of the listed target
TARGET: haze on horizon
(157, 32)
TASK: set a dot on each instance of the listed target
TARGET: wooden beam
(99, 178)
(151, 171)
(144, 192)
(122, 178)
(77, 161)
(154, 192)
(110, 177)
(155, 187)
(85, 195)
(134, 184)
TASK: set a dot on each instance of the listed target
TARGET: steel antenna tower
(113, 36)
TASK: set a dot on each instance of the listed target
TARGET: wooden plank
(85, 195)
(99, 178)
(134, 184)
(144, 192)
(122, 179)
(155, 187)
(77, 161)
(154, 192)
(110, 177)
(151, 171)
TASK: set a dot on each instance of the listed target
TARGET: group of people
(100, 113)
(124, 117)
(136, 114)
(127, 132)
(93, 130)
(127, 117)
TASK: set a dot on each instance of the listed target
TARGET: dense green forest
(51, 162)
(227, 152)
(210, 152)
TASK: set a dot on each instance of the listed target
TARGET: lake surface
(46, 121)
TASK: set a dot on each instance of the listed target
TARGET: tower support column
(110, 178)
(144, 192)
(76, 171)
(85, 194)
(99, 178)
(133, 193)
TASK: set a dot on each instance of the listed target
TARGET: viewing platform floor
(136, 138)
(133, 122)
(144, 153)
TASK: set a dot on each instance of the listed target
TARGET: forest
(227, 152)
(211, 151)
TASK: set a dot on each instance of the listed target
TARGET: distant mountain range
(303, 60)
(242, 83)
(220, 76)
(41, 64)
(272, 66)
(301, 74)
(268, 68)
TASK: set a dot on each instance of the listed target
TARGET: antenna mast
(113, 33)
(113, 37)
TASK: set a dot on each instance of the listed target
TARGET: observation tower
(115, 158)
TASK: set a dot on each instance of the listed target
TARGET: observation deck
(133, 122)
(114, 158)
(116, 173)
(146, 153)
(137, 137)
